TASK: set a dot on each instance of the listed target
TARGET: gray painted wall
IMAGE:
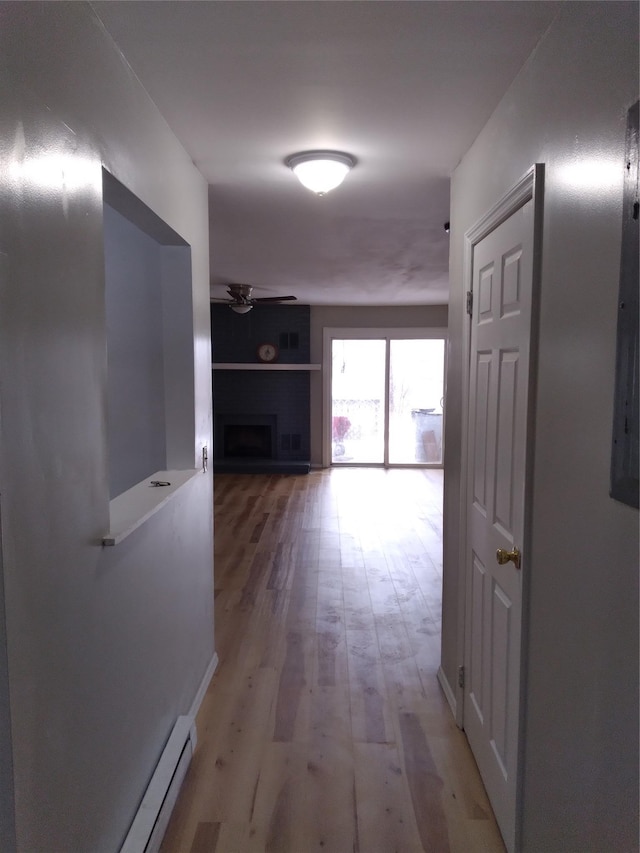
(392, 317)
(179, 377)
(7, 823)
(566, 109)
(106, 646)
(135, 353)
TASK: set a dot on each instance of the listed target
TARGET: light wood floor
(324, 728)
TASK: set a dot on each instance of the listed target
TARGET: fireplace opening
(248, 440)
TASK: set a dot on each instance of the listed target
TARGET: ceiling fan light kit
(241, 300)
(321, 171)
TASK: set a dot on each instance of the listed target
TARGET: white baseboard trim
(448, 692)
(150, 823)
(204, 684)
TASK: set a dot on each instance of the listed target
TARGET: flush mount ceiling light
(320, 171)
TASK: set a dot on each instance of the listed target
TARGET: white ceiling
(403, 86)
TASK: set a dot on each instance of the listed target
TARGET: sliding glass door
(386, 400)
(416, 399)
(358, 396)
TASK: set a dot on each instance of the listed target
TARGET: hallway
(324, 728)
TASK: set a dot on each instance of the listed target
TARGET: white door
(498, 403)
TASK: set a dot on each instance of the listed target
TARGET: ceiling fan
(242, 301)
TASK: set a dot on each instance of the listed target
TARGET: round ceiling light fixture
(321, 171)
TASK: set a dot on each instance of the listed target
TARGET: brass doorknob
(503, 557)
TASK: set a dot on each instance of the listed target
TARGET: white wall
(400, 317)
(106, 646)
(566, 109)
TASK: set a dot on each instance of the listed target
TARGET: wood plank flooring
(324, 728)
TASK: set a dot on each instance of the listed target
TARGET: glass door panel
(358, 401)
(416, 391)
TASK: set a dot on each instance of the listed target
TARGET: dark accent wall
(284, 394)
(236, 337)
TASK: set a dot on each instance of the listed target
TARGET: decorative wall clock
(267, 353)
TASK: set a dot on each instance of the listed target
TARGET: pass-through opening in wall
(149, 331)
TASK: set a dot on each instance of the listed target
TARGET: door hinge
(461, 677)
(469, 302)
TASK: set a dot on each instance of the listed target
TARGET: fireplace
(245, 437)
(247, 440)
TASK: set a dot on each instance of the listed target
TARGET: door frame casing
(330, 333)
(529, 187)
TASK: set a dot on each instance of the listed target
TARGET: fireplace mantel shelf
(228, 365)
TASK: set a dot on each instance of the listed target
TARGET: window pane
(357, 401)
(415, 401)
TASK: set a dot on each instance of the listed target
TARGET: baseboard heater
(150, 823)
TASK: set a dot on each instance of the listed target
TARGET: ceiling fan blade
(220, 299)
(275, 299)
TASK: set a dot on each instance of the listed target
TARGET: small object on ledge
(160, 483)
(131, 509)
(267, 353)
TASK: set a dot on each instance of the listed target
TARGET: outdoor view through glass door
(387, 398)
